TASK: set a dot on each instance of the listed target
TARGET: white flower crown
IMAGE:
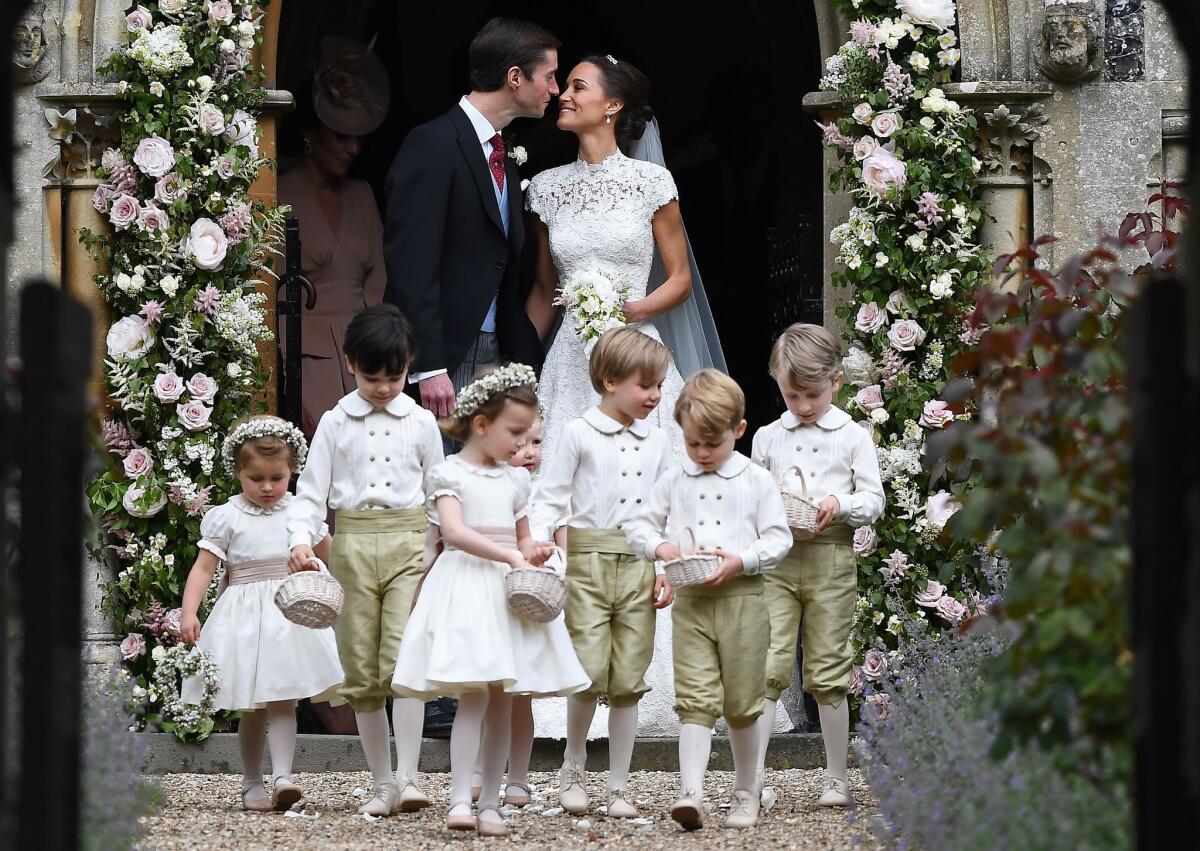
(476, 394)
(259, 428)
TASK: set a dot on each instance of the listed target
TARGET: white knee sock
(408, 719)
(252, 730)
(835, 730)
(281, 737)
(744, 743)
(520, 746)
(766, 723)
(373, 733)
(464, 745)
(622, 728)
(579, 720)
(496, 737)
(695, 745)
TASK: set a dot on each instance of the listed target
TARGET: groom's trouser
(482, 354)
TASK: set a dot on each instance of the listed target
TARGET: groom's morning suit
(452, 243)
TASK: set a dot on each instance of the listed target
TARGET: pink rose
(194, 415)
(866, 540)
(168, 387)
(862, 113)
(856, 680)
(885, 124)
(154, 156)
(936, 414)
(220, 13)
(940, 507)
(211, 120)
(869, 398)
(152, 218)
(172, 7)
(932, 592)
(951, 609)
(882, 170)
(102, 197)
(134, 495)
(170, 189)
(874, 666)
(226, 167)
(864, 147)
(870, 318)
(898, 302)
(124, 211)
(905, 335)
(173, 622)
(876, 708)
(111, 160)
(133, 646)
(202, 388)
(206, 243)
(138, 19)
(138, 463)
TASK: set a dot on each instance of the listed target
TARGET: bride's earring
(307, 145)
(608, 118)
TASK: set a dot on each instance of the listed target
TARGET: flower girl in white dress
(462, 639)
(266, 663)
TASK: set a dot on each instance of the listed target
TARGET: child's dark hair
(459, 428)
(379, 340)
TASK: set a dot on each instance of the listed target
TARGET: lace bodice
(617, 198)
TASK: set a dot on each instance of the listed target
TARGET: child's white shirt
(240, 531)
(602, 473)
(837, 457)
(736, 507)
(362, 458)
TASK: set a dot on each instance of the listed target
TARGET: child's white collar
(831, 420)
(356, 406)
(734, 465)
(605, 424)
(244, 505)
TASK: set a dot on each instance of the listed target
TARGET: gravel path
(202, 812)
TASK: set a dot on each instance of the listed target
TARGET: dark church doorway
(727, 92)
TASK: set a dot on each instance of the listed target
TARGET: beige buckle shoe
(487, 827)
(256, 804)
(463, 821)
(387, 796)
(837, 793)
(571, 793)
(284, 793)
(744, 812)
(689, 810)
(412, 797)
(619, 805)
(518, 795)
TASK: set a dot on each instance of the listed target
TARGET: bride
(618, 215)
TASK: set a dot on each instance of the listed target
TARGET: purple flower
(208, 299)
(117, 438)
(862, 31)
(152, 312)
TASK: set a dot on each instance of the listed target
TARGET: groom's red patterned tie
(496, 161)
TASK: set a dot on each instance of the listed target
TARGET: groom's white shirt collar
(483, 127)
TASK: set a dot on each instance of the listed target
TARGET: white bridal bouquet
(593, 302)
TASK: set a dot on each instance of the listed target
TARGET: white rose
(885, 124)
(158, 653)
(211, 120)
(869, 398)
(227, 45)
(207, 244)
(226, 167)
(931, 13)
(154, 156)
(940, 507)
(927, 123)
(130, 502)
(168, 387)
(870, 318)
(137, 463)
(862, 113)
(951, 107)
(194, 415)
(241, 130)
(882, 169)
(201, 387)
(220, 13)
(905, 335)
(866, 540)
(233, 370)
(129, 338)
(169, 285)
(879, 416)
(917, 241)
(864, 147)
(124, 211)
(246, 28)
(205, 82)
(929, 596)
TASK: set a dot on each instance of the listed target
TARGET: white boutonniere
(519, 154)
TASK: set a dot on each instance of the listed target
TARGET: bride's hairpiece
(476, 394)
(609, 57)
(258, 428)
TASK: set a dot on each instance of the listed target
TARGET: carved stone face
(1069, 43)
(29, 44)
(1066, 39)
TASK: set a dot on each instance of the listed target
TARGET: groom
(454, 230)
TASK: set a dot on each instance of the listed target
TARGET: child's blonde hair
(713, 402)
(622, 352)
(806, 356)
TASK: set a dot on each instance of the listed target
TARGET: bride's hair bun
(625, 82)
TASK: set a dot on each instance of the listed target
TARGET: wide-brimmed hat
(351, 91)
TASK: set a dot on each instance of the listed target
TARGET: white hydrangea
(160, 52)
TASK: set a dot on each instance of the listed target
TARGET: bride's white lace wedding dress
(600, 219)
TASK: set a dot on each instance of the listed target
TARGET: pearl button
(372, 457)
(387, 484)
(372, 484)
(387, 431)
(371, 432)
(622, 499)
(388, 458)
(638, 500)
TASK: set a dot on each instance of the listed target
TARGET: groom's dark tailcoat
(446, 252)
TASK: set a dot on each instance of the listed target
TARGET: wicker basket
(311, 598)
(537, 594)
(801, 511)
(690, 568)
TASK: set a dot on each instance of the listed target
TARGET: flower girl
(462, 639)
(266, 662)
